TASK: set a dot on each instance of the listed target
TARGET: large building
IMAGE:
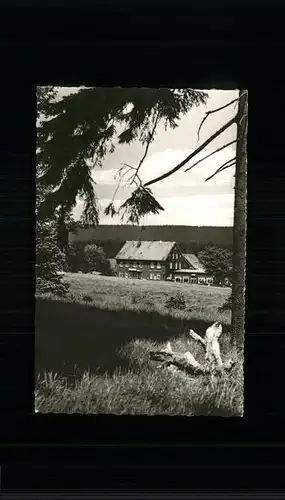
(159, 260)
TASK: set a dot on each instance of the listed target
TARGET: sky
(185, 196)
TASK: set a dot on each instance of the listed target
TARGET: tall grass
(144, 389)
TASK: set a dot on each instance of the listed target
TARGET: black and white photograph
(140, 250)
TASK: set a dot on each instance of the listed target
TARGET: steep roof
(145, 250)
(194, 261)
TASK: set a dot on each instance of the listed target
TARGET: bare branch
(127, 165)
(192, 155)
(210, 154)
(239, 97)
(215, 111)
(227, 164)
(121, 176)
(149, 140)
(134, 178)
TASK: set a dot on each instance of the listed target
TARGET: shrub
(87, 298)
(176, 302)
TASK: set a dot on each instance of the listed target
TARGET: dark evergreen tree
(218, 262)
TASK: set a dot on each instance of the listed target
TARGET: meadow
(115, 293)
(92, 349)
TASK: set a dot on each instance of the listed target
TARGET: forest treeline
(190, 239)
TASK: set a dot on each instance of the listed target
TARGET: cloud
(160, 163)
(185, 196)
(208, 210)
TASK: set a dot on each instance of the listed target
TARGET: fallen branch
(187, 363)
(197, 337)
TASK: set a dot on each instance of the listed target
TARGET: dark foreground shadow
(69, 334)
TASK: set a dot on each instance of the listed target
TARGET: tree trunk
(239, 230)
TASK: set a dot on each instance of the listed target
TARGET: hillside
(190, 235)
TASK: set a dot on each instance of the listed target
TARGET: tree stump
(187, 363)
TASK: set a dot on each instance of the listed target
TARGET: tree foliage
(83, 128)
(52, 231)
(88, 258)
(218, 262)
(50, 260)
(95, 260)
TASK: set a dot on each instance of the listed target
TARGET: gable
(174, 252)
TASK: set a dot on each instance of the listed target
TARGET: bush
(87, 298)
(176, 302)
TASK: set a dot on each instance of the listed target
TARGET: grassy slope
(125, 320)
(117, 293)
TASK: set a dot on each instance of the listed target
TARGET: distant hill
(192, 237)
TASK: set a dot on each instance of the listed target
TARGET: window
(185, 280)
(152, 265)
(180, 265)
(170, 265)
(151, 276)
(158, 265)
(176, 265)
(121, 263)
(121, 275)
(140, 264)
(158, 276)
(126, 275)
